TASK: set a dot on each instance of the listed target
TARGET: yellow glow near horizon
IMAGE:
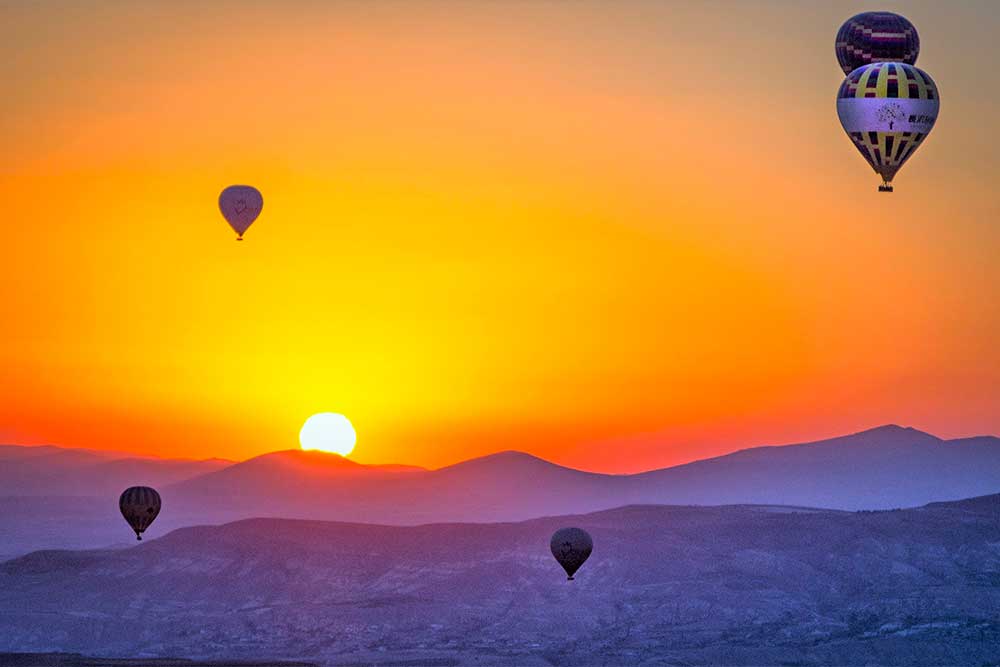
(582, 230)
(328, 432)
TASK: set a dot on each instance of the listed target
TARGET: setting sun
(328, 432)
(670, 326)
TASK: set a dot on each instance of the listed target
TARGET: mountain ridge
(882, 468)
(881, 430)
(727, 585)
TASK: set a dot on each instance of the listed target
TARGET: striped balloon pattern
(887, 109)
(874, 37)
(139, 505)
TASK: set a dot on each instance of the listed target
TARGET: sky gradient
(618, 235)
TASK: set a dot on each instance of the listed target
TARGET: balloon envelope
(139, 505)
(240, 206)
(887, 109)
(873, 37)
(571, 547)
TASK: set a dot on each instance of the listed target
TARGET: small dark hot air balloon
(139, 506)
(887, 109)
(873, 37)
(571, 547)
(240, 206)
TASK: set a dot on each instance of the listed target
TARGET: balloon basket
(885, 187)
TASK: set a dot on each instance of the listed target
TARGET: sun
(328, 432)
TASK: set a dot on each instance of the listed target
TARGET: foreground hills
(75, 660)
(882, 468)
(729, 585)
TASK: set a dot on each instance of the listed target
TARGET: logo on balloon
(890, 113)
(922, 119)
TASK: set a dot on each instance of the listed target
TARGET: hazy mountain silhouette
(300, 467)
(54, 497)
(55, 471)
(730, 585)
(885, 467)
(881, 468)
(498, 487)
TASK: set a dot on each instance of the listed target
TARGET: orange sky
(618, 235)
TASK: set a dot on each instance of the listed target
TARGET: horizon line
(233, 462)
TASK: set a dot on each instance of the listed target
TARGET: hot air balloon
(240, 206)
(571, 547)
(139, 506)
(874, 37)
(887, 109)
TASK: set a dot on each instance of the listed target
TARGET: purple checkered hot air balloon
(240, 206)
(873, 37)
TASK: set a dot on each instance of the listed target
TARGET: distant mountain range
(881, 468)
(46, 470)
(730, 585)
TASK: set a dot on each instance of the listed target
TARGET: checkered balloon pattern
(876, 37)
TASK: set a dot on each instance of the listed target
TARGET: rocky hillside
(690, 585)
